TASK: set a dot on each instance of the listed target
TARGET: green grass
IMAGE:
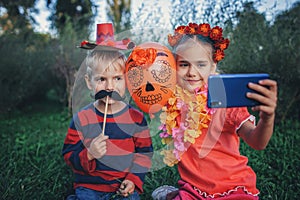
(32, 166)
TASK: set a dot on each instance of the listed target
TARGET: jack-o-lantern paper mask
(151, 76)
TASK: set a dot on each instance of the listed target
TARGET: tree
(77, 12)
(209, 11)
(18, 15)
(248, 44)
(68, 59)
(256, 46)
(120, 13)
(25, 69)
(284, 59)
(156, 21)
(25, 56)
(72, 20)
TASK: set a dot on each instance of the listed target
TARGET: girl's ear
(213, 68)
(88, 82)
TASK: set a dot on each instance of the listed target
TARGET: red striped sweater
(129, 149)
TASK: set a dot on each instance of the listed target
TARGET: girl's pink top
(214, 165)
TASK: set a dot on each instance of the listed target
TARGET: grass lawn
(32, 166)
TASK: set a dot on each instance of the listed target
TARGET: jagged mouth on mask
(151, 99)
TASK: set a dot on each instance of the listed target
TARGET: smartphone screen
(229, 90)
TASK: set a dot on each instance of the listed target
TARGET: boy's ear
(88, 82)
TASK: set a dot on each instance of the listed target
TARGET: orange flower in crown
(143, 57)
(192, 28)
(204, 30)
(222, 44)
(218, 55)
(180, 29)
(214, 34)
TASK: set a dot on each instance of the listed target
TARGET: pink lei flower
(182, 121)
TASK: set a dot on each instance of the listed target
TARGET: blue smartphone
(229, 90)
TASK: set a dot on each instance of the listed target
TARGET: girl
(207, 149)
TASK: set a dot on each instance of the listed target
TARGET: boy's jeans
(88, 194)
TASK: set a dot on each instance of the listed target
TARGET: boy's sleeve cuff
(87, 165)
(137, 182)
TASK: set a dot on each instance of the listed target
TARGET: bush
(25, 68)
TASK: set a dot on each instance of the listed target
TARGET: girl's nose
(191, 71)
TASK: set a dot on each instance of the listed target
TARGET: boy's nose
(109, 85)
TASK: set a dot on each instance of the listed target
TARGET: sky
(270, 6)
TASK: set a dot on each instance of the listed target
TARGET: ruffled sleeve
(238, 116)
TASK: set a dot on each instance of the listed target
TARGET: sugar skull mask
(151, 76)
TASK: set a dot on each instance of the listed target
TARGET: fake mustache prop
(113, 94)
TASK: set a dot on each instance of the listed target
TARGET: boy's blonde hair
(113, 60)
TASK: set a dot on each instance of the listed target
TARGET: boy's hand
(98, 147)
(126, 188)
(267, 90)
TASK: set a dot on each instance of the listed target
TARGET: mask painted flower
(144, 57)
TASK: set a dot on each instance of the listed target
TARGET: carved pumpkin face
(151, 76)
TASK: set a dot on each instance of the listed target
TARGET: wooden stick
(105, 113)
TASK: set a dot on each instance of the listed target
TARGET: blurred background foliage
(35, 66)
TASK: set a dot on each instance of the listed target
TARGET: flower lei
(215, 34)
(182, 121)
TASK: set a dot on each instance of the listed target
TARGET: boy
(109, 164)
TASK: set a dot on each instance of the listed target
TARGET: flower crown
(214, 34)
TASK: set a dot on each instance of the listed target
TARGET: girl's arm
(258, 137)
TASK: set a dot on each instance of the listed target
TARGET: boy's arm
(258, 137)
(142, 156)
(75, 152)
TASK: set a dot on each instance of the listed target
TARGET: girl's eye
(201, 65)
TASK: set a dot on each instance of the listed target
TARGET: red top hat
(105, 40)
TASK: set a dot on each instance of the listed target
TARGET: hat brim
(116, 47)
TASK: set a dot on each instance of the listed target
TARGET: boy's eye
(118, 78)
(184, 64)
(100, 79)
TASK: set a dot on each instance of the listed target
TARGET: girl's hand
(98, 147)
(126, 188)
(267, 96)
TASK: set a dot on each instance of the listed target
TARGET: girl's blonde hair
(189, 41)
(113, 59)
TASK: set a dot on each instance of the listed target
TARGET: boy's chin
(109, 101)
